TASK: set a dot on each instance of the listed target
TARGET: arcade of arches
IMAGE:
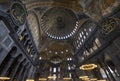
(59, 40)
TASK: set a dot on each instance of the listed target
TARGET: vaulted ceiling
(36, 8)
(57, 44)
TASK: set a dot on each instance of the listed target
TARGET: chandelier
(88, 66)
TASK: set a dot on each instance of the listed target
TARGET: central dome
(59, 23)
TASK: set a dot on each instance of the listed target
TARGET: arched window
(85, 31)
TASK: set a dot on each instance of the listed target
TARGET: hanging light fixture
(83, 77)
(30, 80)
(4, 78)
(66, 78)
(88, 67)
(42, 79)
(52, 76)
(93, 79)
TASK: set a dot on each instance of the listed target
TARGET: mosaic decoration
(18, 13)
(107, 26)
(59, 23)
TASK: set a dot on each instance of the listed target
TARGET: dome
(59, 23)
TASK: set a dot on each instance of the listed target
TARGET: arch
(28, 64)
(87, 28)
(75, 7)
(19, 57)
(109, 62)
(24, 61)
(13, 51)
(33, 14)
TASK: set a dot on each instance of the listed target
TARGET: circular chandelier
(88, 67)
(59, 23)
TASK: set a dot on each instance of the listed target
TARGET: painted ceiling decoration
(86, 29)
(52, 19)
(55, 23)
(57, 52)
(61, 28)
(72, 4)
(108, 25)
(65, 32)
(94, 9)
(18, 13)
(34, 27)
(57, 20)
